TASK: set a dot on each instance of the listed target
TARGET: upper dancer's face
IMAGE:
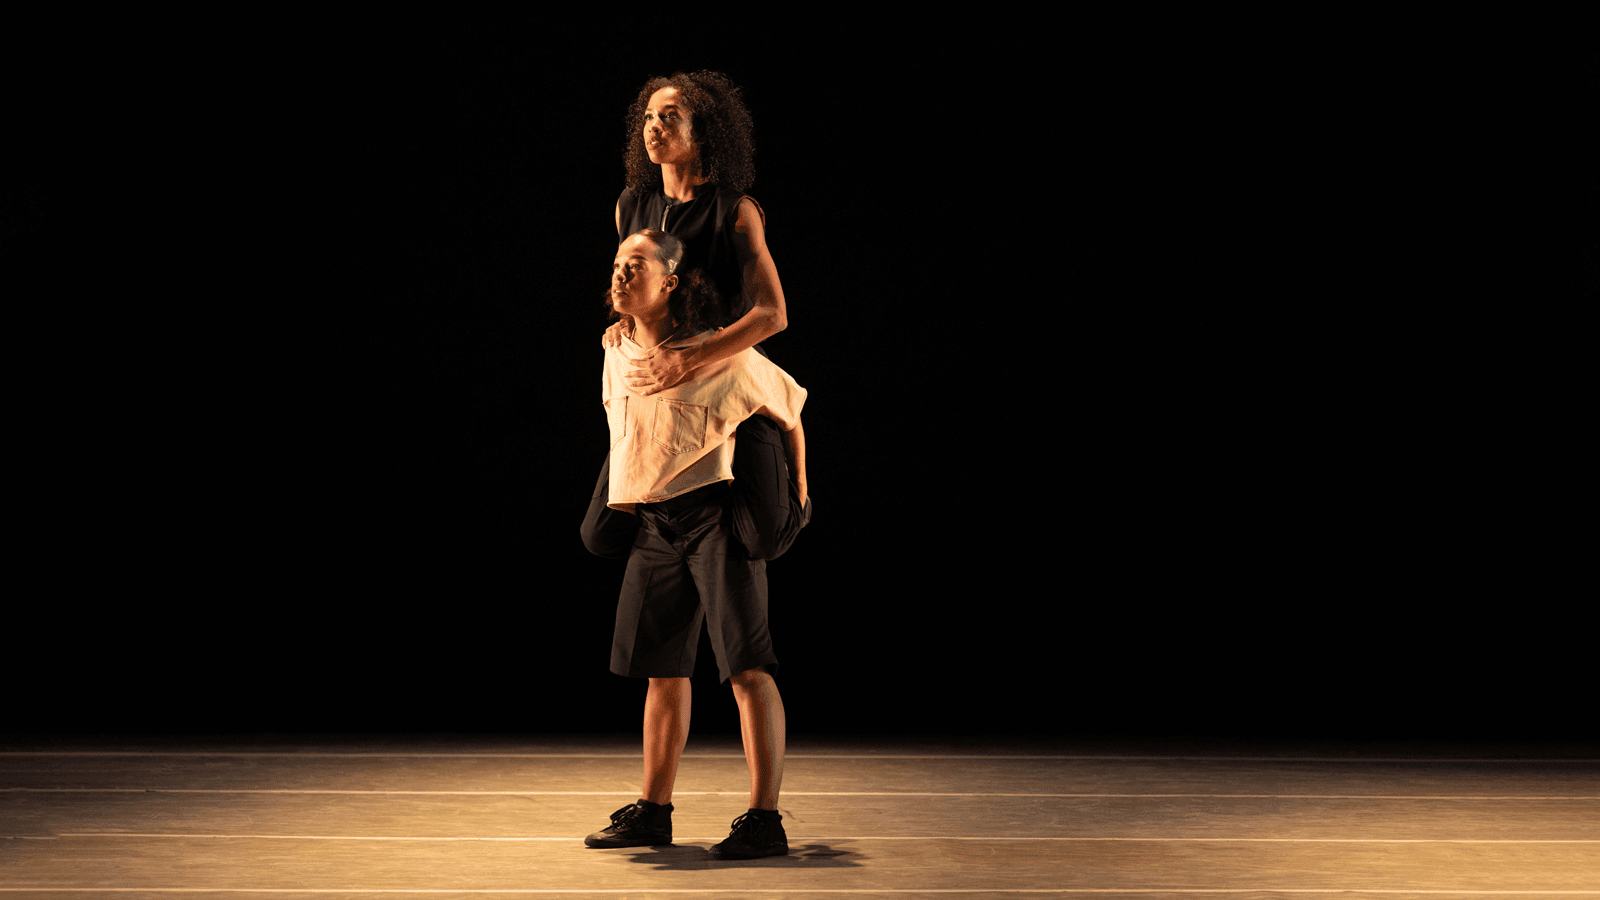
(639, 282)
(667, 133)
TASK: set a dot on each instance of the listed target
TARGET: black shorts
(687, 568)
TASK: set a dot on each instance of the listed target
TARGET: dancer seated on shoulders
(670, 466)
(689, 161)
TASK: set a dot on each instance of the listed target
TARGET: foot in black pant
(642, 824)
(757, 833)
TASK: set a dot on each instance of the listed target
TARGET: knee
(751, 680)
(763, 540)
(764, 526)
(593, 544)
(612, 543)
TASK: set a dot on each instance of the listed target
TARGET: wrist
(692, 358)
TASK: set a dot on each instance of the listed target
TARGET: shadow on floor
(683, 857)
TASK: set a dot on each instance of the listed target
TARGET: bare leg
(762, 724)
(666, 730)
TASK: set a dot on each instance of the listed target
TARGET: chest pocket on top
(617, 417)
(680, 427)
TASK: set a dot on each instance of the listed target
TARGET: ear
(669, 284)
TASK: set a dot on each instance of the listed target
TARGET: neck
(652, 333)
(678, 181)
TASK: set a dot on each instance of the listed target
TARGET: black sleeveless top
(705, 225)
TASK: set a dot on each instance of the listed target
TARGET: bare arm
(794, 444)
(766, 317)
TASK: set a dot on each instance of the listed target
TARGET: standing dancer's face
(639, 282)
(667, 134)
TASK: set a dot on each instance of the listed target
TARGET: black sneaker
(642, 824)
(755, 834)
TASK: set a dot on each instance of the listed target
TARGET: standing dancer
(671, 464)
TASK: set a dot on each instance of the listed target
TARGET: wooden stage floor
(504, 816)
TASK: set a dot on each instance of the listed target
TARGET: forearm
(794, 446)
(760, 323)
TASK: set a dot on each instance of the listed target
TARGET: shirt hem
(628, 505)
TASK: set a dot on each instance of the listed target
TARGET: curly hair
(719, 123)
(693, 304)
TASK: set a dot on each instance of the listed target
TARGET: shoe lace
(746, 824)
(625, 815)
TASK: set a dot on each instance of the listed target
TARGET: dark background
(1155, 383)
